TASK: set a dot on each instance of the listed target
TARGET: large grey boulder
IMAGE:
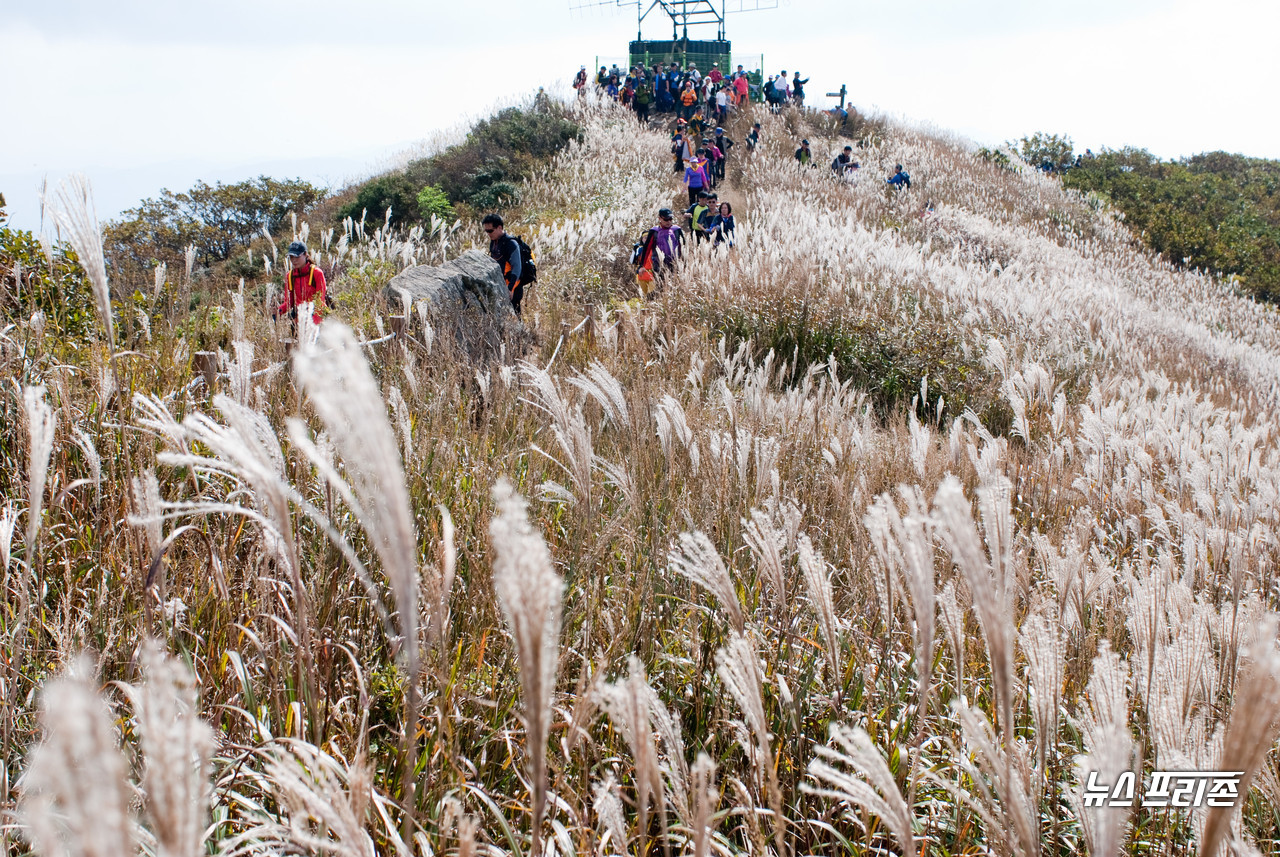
(466, 298)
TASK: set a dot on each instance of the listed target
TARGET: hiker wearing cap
(642, 99)
(803, 156)
(844, 164)
(899, 179)
(303, 283)
(715, 74)
(695, 175)
(688, 99)
(657, 253)
(754, 137)
(741, 88)
(504, 250)
(580, 82)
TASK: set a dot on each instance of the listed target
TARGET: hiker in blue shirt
(899, 177)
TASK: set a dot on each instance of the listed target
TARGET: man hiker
(803, 155)
(724, 144)
(753, 137)
(659, 251)
(681, 151)
(303, 283)
(699, 215)
(797, 89)
(642, 99)
(844, 164)
(899, 178)
(504, 250)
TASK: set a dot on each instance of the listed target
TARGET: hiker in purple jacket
(695, 175)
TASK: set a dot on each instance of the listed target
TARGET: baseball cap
(664, 213)
(297, 248)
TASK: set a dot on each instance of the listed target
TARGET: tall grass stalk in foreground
(75, 798)
(341, 387)
(857, 773)
(178, 747)
(529, 591)
(1251, 730)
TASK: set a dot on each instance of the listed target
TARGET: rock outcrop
(466, 299)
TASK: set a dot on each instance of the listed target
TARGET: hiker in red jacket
(304, 282)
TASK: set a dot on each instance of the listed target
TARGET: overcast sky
(140, 94)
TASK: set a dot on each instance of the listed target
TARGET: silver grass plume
(75, 794)
(818, 583)
(738, 667)
(903, 545)
(607, 803)
(149, 517)
(79, 218)
(952, 616)
(766, 543)
(529, 591)
(1252, 728)
(178, 747)
(599, 384)
(697, 560)
(627, 703)
(92, 458)
(999, 774)
(338, 381)
(326, 801)
(706, 798)
(855, 772)
(1109, 747)
(954, 519)
(1044, 649)
(42, 422)
(8, 519)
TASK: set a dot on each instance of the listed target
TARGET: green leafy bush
(433, 201)
(55, 285)
(483, 172)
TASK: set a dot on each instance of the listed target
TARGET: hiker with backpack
(900, 178)
(655, 255)
(714, 157)
(512, 255)
(754, 137)
(695, 175)
(580, 82)
(642, 99)
(304, 283)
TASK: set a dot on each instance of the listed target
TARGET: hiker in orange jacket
(304, 282)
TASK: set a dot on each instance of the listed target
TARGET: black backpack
(528, 270)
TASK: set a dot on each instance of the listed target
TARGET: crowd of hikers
(699, 149)
(672, 89)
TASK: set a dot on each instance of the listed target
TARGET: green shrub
(392, 191)
(29, 282)
(433, 201)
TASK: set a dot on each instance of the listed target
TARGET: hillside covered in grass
(876, 533)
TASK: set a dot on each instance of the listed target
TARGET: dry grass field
(873, 535)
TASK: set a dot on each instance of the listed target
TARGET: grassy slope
(1119, 440)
